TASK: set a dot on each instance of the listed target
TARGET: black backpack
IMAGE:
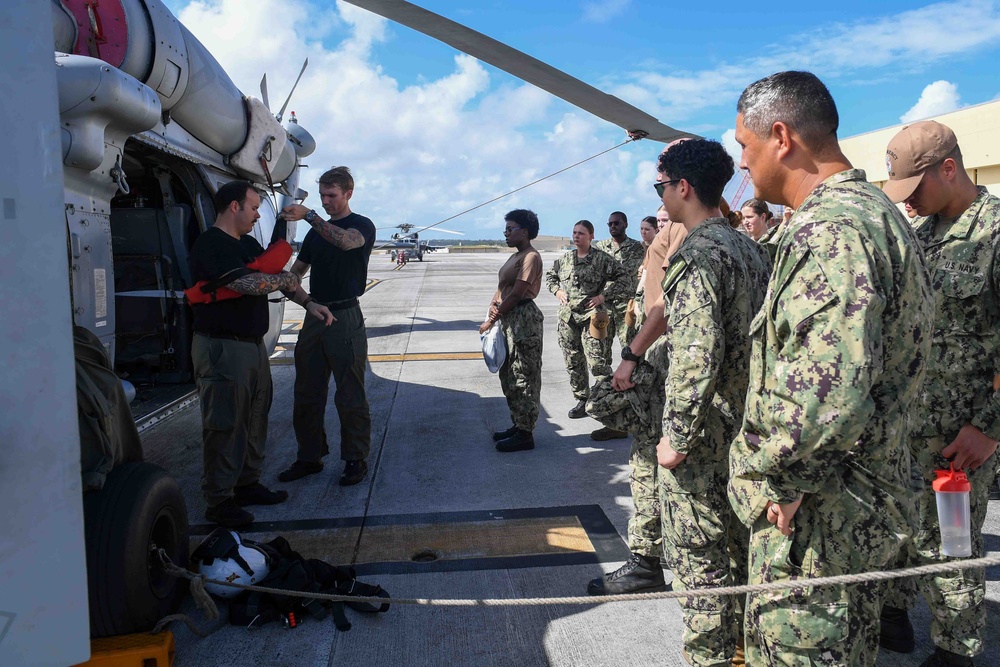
(290, 571)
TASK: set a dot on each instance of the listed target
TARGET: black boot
(258, 494)
(519, 441)
(500, 435)
(639, 574)
(606, 433)
(354, 472)
(943, 658)
(229, 514)
(300, 469)
(579, 411)
(896, 632)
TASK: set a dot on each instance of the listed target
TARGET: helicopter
(149, 127)
(404, 244)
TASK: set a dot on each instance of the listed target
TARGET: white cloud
(425, 151)
(604, 10)
(732, 146)
(937, 98)
(907, 41)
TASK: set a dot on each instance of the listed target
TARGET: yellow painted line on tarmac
(425, 356)
(372, 284)
(284, 351)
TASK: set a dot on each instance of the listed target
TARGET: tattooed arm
(257, 284)
(300, 296)
(345, 239)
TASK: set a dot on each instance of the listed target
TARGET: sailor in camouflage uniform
(629, 252)
(712, 288)
(820, 469)
(513, 305)
(636, 407)
(633, 401)
(583, 280)
(957, 414)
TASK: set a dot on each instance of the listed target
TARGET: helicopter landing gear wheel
(139, 507)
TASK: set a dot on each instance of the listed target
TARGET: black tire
(140, 505)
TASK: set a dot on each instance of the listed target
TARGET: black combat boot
(896, 631)
(943, 658)
(229, 514)
(579, 411)
(300, 469)
(606, 433)
(500, 435)
(258, 494)
(639, 574)
(354, 472)
(521, 440)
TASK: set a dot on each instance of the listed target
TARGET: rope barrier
(843, 579)
(202, 599)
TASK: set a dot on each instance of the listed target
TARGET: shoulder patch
(675, 270)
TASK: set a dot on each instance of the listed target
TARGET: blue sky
(429, 132)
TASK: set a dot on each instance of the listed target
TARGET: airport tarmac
(443, 515)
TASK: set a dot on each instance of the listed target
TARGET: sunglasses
(660, 186)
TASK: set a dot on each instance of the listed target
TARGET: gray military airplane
(151, 125)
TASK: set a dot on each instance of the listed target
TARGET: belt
(524, 302)
(341, 305)
(257, 340)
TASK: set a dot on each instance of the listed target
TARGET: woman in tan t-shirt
(647, 230)
(514, 307)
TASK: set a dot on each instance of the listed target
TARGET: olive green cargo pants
(234, 388)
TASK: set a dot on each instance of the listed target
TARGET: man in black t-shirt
(338, 251)
(230, 362)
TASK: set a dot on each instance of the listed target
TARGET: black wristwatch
(628, 356)
(311, 216)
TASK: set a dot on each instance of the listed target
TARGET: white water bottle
(951, 489)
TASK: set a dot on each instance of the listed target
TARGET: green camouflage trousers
(705, 546)
(956, 598)
(639, 412)
(616, 311)
(580, 351)
(521, 374)
(829, 625)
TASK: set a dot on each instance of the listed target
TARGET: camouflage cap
(911, 152)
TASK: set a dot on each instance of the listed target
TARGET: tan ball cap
(599, 322)
(911, 152)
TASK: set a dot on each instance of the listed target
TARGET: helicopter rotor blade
(636, 122)
(263, 92)
(289, 98)
(448, 231)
